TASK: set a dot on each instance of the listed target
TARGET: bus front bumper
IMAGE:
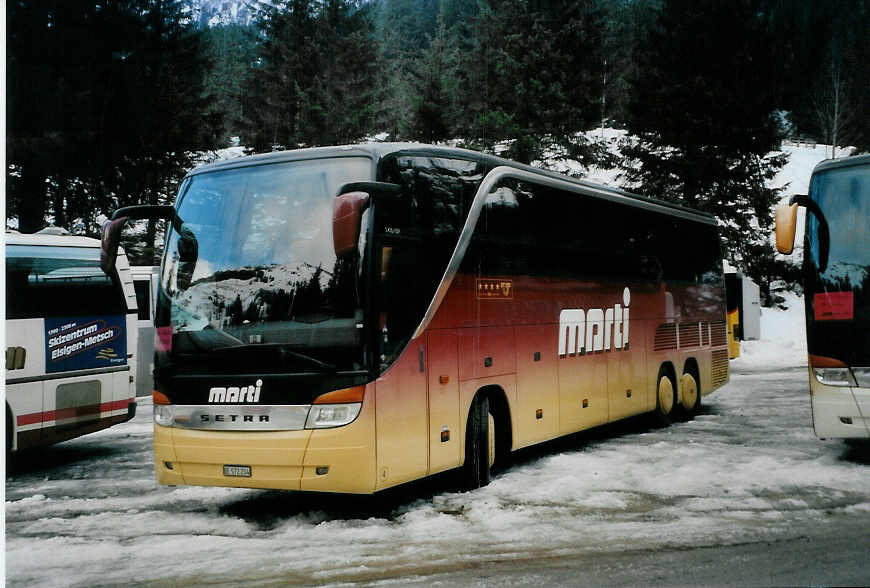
(840, 412)
(340, 459)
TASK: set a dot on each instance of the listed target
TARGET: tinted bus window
(58, 281)
(143, 298)
(416, 233)
(528, 229)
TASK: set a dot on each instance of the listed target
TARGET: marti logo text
(584, 331)
(236, 395)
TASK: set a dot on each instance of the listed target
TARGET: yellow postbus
(352, 318)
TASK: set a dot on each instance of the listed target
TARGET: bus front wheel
(479, 445)
(666, 398)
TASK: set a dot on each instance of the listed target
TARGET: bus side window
(143, 298)
(529, 229)
(416, 233)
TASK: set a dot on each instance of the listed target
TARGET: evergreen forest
(110, 102)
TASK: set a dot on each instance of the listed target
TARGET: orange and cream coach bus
(836, 277)
(347, 319)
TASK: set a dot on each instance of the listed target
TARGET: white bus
(70, 340)
(145, 280)
(836, 280)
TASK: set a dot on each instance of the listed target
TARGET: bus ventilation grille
(690, 335)
(718, 333)
(720, 367)
(666, 337)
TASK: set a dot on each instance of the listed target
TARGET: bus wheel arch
(666, 394)
(487, 436)
(500, 411)
(690, 390)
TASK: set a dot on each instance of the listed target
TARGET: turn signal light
(343, 396)
(159, 397)
(820, 361)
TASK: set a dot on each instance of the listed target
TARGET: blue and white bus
(70, 340)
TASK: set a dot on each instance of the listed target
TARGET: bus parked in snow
(352, 318)
(836, 275)
(145, 285)
(70, 340)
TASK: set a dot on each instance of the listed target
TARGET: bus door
(444, 425)
(145, 281)
(402, 422)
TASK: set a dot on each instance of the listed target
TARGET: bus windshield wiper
(282, 349)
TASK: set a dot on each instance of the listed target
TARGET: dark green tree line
(105, 104)
(108, 102)
(702, 109)
(317, 76)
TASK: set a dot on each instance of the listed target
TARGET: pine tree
(232, 50)
(702, 110)
(533, 74)
(433, 107)
(825, 59)
(318, 79)
(105, 103)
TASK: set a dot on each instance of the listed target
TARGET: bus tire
(690, 395)
(666, 398)
(479, 445)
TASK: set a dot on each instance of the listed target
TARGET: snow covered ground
(783, 342)
(747, 471)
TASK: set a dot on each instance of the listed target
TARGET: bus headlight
(833, 376)
(324, 416)
(164, 415)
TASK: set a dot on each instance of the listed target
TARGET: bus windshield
(838, 298)
(252, 272)
(844, 198)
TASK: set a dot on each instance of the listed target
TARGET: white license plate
(238, 471)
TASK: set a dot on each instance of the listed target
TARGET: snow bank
(783, 342)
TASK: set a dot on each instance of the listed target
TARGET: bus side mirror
(347, 210)
(786, 222)
(111, 239)
(347, 213)
(112, 228)
(786, 225)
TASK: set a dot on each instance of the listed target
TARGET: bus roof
(376, 151)
(50, 240)
(830, 164)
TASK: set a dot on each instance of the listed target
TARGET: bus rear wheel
(666, 398)
(479, 445)
(690, 396)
